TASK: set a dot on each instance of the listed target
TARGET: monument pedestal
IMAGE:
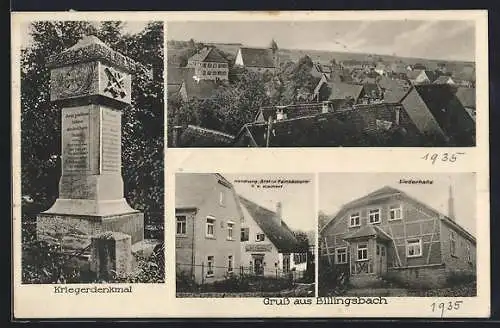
(92, 83)
(74, 232)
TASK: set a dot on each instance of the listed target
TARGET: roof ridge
(196, 127)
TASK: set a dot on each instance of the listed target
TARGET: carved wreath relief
(71, 81)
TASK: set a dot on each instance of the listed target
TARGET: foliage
(332, 279)
(230, 107)
(149, 269)
(142, 123)
(323, 219)
(45, 263)
(234, 283)
(456, 278)
(302, 238)
(192, 48)
(236, 103)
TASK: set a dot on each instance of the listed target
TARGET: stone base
(74, 231)
(90, 207)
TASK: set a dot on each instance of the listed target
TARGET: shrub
(457, 278)
(184, 282)
(44, 263)
(332, 279)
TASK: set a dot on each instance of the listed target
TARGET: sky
(337, 189)
(129, 27)
(297, 200)
(432, 39)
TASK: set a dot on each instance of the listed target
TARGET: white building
(268, 246)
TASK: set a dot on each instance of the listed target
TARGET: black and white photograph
(338, 83)
(245, 235)
(92, 132)
(397, 234)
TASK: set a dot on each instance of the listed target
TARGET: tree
(192, 48)
(297, 80)
(322, 219)
(302, 238)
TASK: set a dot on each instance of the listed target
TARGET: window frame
(182, 234)
(207, 225)
(247, 235)
(358, 249)
(355, 215)
(222, 198)
(260, 234)
(391, 210)
(453, 243)
(379, 212)
(230, 228)
(337, 255)
(468, 253)
(230, 263)
(408, 247)
(210, 264)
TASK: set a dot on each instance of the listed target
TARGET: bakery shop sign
(258, 248)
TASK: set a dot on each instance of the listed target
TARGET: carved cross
(115, 83)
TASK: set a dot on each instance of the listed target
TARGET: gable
(420, 114)
(280, 235)
(255, 57)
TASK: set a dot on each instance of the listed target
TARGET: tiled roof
(394, 95)
(388, 83)
(431, 75)
(443, 79)
(339, 90)
(280, 235)
(467, 96)
(382, 193)
(257, 57)
(208, 54)
(313, 131)
(445, 107)
(196, 136)
(371, 89)
(369, 231)
(412, 75)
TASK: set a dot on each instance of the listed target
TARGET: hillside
(176, 47)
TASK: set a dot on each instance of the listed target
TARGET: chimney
(278, 212)
(451, 204)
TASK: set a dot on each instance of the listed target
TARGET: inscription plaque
(75, 127)
(258, 248)
(111, 140)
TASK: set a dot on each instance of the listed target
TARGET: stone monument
(92, 84)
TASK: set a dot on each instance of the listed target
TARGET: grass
(241, 286)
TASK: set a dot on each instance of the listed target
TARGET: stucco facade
(207, 232)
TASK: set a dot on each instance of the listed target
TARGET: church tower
(274, 49)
